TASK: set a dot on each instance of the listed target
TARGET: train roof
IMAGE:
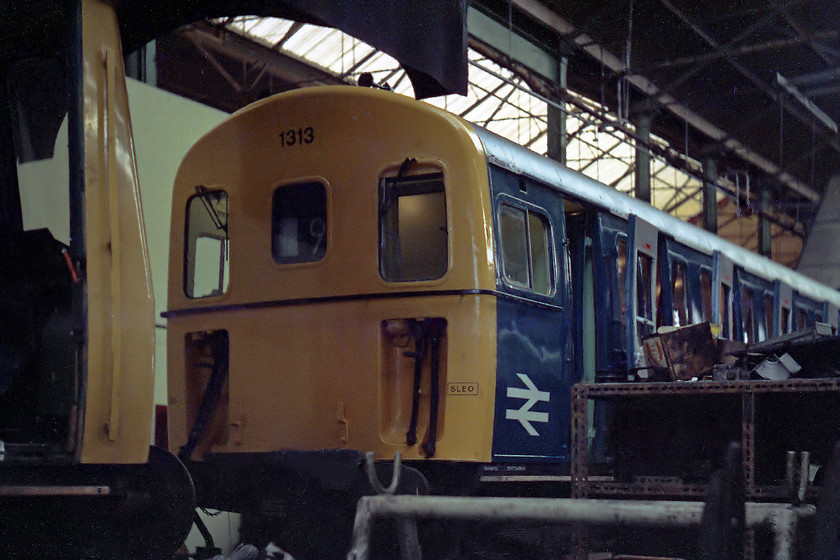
(509, 155)
(572, 184)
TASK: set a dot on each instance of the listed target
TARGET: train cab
(337, 243)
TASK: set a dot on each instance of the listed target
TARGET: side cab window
(530, 238)
(527, 259)
(206, 258)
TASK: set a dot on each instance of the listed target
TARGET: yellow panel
(308, 377)
(120, 361)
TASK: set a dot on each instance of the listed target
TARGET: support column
(642, 121)
(764, 232)
(557, 138)
(710, 194)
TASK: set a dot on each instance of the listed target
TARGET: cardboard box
(685, 353)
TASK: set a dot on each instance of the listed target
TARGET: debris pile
(694, 353)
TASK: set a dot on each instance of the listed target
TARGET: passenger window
(413, 237)
(621, 272)
(725, 310)
(706, 294)
(644, 307)
(207, 254)
(785, 320)
(526, 251)
(299, 223)
(768, 316)
(801, 319)
(680, 307)
(748, 317)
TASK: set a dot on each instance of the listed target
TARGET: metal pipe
(784, 525)
(560, 510)
(804, 476)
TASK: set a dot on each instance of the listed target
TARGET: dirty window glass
(768, 317)
(540, 255)
(206, 261)
(299, 223)
(749, 336)
(413, 237)
(678, 276)
(644, 307)
(526, 254)
(621, 273)
(725, 310)
(514, 245)
(706, 294)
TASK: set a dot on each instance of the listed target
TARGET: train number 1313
(297, 137)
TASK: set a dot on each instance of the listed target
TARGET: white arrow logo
(531, 395)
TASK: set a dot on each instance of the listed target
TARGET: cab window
(299, 223)
(413, 237)
(207, 255)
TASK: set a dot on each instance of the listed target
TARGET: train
(352, 270)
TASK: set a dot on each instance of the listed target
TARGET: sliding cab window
(207, 244)
(413, 236)
(299, 223)
(526, 249)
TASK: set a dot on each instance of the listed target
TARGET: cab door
(534, 346)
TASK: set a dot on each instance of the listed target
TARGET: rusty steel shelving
(748, 391)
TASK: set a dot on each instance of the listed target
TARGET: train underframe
(96, 512)
(306, 501)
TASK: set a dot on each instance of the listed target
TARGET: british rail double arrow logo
(524, 415)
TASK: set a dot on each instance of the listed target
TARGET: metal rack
(749, 393)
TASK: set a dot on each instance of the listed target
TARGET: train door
(534, 347)
(609, 245)
(590, 298)
(723, 276)
(782, 308)
(579, 230)
(640, 289)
